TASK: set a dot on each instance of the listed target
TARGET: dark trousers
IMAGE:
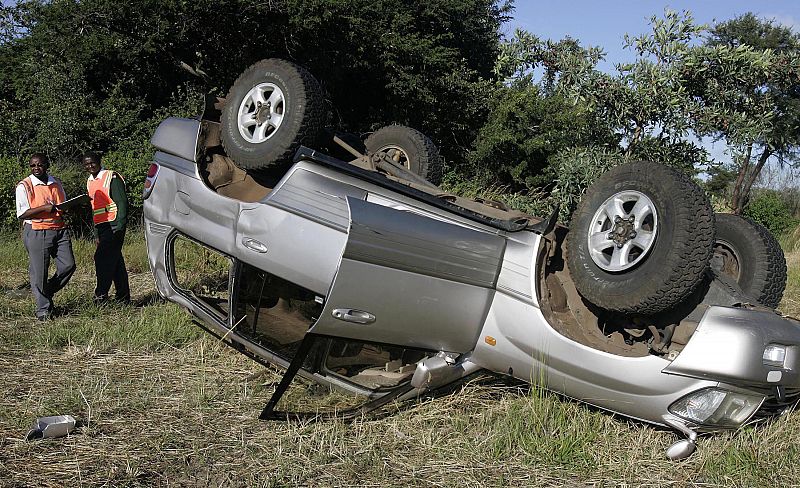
(110, 265)
(42, 245)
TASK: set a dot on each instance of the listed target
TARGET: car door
(409, 280)
(299, 231)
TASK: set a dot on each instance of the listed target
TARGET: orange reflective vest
(103, 207)
(39, 195)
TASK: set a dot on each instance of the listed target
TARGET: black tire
(300, 104)
(678, 251)
(746, 252)
(408, 147)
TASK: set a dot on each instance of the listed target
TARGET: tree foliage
(525, 128)
(739, 82)
(769, 209)
(747, 78)
(92, 73)
(643, 102)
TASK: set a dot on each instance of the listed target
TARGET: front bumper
(729, 346)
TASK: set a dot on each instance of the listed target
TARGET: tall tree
(740, 84)
(766, 93)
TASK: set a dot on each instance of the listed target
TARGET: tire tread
(686, 264)
(309, 128)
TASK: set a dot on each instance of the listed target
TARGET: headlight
(774, 355)
(717, 407)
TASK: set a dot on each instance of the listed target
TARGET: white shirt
(92, 177)
(22, 194)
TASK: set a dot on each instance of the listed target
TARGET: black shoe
(100, 300)
(44, 317)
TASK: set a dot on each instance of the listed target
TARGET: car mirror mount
(683, 448)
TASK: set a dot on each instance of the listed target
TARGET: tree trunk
(748, 185)
(634, 139)
(736, 199)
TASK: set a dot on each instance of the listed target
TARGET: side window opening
(272, 312)
(201, 273)
(276, 315)
(373, 366)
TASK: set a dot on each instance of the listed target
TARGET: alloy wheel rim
(396, 154)
(261, 113)
(622, 231)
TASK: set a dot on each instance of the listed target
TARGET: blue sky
(604, 23)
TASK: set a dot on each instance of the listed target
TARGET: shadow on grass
(151, 298)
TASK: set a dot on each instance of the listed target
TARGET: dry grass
(172, 407)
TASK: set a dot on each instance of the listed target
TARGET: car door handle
(354, 316)
(254, 245)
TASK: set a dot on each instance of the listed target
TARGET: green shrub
(769, 209)
(576, 169)
(682, 155)
(531, 202)
(12, 170)
(132, 165)
(524, 130)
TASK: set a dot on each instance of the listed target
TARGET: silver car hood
(728, 346)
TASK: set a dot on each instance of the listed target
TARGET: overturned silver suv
(366, 278)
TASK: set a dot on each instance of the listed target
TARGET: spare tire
(641, 239)
(746, 252)
(273, 107)
(409, 148)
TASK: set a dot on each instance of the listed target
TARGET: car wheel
(641, 239)
(746, 252)
(409, 148)
(273, 108)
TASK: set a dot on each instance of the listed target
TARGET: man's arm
(24, 211)
(120, 197)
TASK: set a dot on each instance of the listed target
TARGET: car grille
(158, 228)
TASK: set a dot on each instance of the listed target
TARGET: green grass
(162, 403)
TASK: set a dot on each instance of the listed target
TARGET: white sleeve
(22, 200)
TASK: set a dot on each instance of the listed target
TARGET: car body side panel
(729, 343)
(526, 347)
(404, 240)
(316, 197)
(181, 199)
(204, 215)
(409, 309)
(178, 136)
(519, 265)
(385, 195)
(155, 237)
(295, 248)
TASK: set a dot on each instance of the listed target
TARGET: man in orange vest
(106, 188)
(44, 233)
